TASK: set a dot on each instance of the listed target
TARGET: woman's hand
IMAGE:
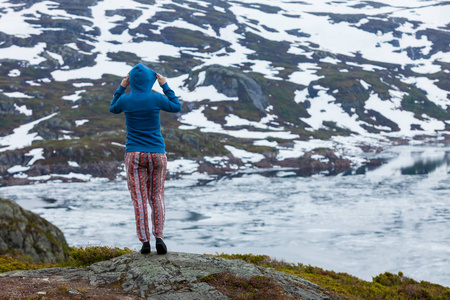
(161, 79)
(126, 81)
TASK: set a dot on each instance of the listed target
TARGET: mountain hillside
(304, 85)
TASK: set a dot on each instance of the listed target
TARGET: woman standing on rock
(145, 158)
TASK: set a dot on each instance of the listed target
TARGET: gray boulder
(24, 232)
(233, 83)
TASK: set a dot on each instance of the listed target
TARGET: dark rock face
(175, 276)
(307, 166)
(233, 83)
(29, 234)
(7, 107)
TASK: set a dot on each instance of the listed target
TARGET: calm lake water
(395, 217)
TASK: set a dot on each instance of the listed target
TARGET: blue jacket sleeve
(116, 106)
(171, 103)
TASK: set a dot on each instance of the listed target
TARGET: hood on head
(142, 78)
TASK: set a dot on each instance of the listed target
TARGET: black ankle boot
(145, 248)
(160, 246)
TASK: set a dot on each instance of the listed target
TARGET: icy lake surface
(395, 217)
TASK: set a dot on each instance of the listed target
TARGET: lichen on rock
(25, 233)
(177, 276)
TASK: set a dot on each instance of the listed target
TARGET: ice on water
(384, 220)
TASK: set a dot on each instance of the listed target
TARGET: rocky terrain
(306, 85)
(172, 276)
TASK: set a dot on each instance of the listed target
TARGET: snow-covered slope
(291, 83)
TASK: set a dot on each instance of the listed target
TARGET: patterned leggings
(146, 174)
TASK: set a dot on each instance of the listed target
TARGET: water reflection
(407, 160)
(424, 165)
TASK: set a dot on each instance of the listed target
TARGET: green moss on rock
(26, 233)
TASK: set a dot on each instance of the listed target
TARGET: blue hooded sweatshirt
(142, 108)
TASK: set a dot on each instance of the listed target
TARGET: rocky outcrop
(24, 232)
(174, 276)
(232, 83)
(7, 106)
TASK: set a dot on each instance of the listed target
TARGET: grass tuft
(88, 255)
(78, 257)
(384, 286)
(14, 262)
(256, 287)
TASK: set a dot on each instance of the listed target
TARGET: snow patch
(300, 96)
(426, 67)
(56, 56)
(196, 119)
(320, 158)
(21, 136)
(71, 175)
(23, 110)
(365, 67)
(220, 9)
(391, 109)
(37, 154)
(23, 53)
(17, 95)
(306, 75)
(300, 147)
(434, 93)
(265, 143)
(265, 67)
(14, 73)
(330, 60)
(182, 166)
(324, 108)
(118, 144)
(233, 120)
(17, 169)
(199, 14)
(217, 161)
(42, 177)
(73, 164)
(74, 97)
(207, 92)
(81, 122)
(201, 78)
(364, 84)
(82, 84)
(32, 83)
(244, 156)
